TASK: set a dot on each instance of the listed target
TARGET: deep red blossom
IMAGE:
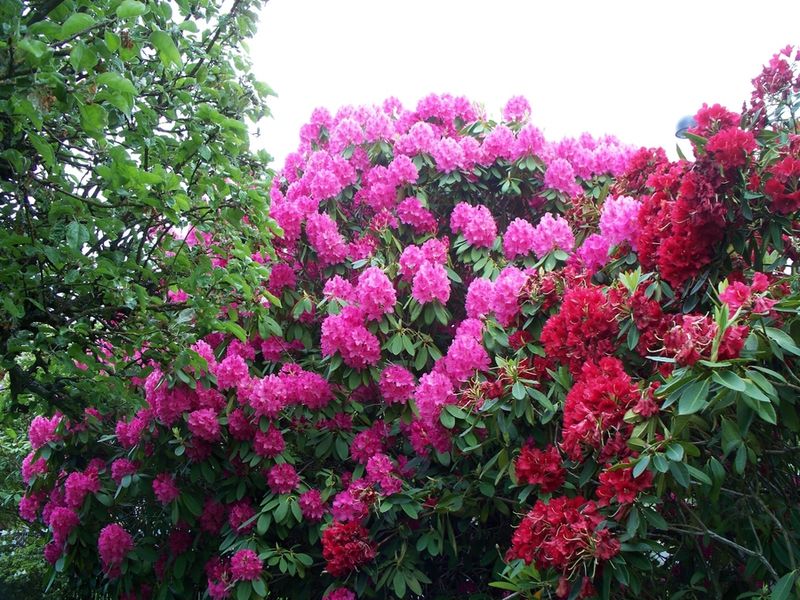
(595, 407)
(346, 546)
(562, 534)
(584, 329)
(619, 484)
(534, 466)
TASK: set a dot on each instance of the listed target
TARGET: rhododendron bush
(497, 366)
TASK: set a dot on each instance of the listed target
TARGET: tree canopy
(123, 139)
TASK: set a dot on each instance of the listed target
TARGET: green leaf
(729, 379)
(783, 587)
(447, 419)
(260, 588)
(166, 48)
(680, 473)
(655, 519)
(77, 236)
(117, 82)
(131, 8)
(76, 23)
(783, 339)
(693, 398)
(44, 149)
(244, 590)
(399, 584)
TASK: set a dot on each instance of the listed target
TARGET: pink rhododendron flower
(113, 545)
(270, 443)
(240, 513)
(42, 430)
(397, 384)
(517, 109)
(282, 479)
(204, 423)
(594, 252)
(411, 212)
(506, 294)
(499, 143)
(62, 521)
(246, 566)
(619, 220)
(165, 489)
(518, 239)
(552, 234)
(480, 298)
(120, 468)
(311, 505)
(375, 293)
(560, 176)
(431, 283)
(325, 239)
(433, 392)
(340, 594)
(476, 223)
(448, 155)
(31, 467)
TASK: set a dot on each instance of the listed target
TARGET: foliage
(599, 401)
(122, 139)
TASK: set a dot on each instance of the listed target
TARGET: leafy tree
(123, 139)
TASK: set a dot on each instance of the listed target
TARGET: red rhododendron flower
(540, 467)
(346, 546)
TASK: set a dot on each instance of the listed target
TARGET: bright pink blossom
(165, 489)
(431, 283)
(246, 566)
(113, 545)
(282, 479)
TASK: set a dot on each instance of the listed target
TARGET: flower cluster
(346, 546)
(563, 534)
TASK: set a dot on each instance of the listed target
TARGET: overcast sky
(628, 68)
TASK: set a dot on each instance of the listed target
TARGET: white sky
(630, 68)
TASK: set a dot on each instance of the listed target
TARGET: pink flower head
(340, 594)
(165, 489)
(480, 296)
(240, 513)
(594, 252)
(619, 220)
(411, 212)
(375, 293)
(113, 545)
(431, 283)
(80, 485)
(204, 423)
(476, 223)
(517, 109)
(433, 392)
(120, 468)
(519, 238)
(560, 176)
(552, 234)
(325, 239)
(396, 384)
(499, 143)
(448, 154)
(62, 522)
(282, 479)
(311, 505)
(246, 566)
(42, 431)
(270, 443)
(31, 467)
